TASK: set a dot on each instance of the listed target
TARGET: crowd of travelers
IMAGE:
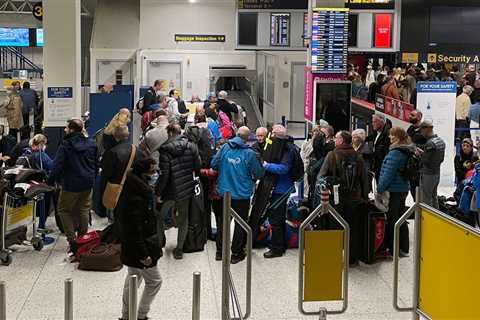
(156, 184)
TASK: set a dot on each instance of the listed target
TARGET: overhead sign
(408, 57)
(199, 38)
(272, 4)
(330, 40)
(370, 4)
(437, 102)
(453, 58)
(383, 30)
(37, 11)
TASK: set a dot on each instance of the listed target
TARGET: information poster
(437, 101)
(383, 30)
(280, 29)
(60, 104)
(330, 40)
(308, 97)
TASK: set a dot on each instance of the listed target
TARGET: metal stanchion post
(69, 299)
(226, 256)
(132, 297)
(196, 296)
(3, 301)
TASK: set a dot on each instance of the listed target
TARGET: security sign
(432, 58)
(38, 11)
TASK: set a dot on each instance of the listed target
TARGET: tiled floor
(35, 282)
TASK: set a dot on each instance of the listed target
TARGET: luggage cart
(18, 212)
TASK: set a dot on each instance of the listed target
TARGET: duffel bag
(104, 257)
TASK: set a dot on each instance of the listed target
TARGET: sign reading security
(464, 59)
(199, 38)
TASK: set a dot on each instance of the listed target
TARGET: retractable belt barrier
(323, 262)
(446, 262)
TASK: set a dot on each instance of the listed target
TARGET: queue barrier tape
(323, 265)
(449, 282)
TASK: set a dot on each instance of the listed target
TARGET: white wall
(195, 66)
(116, 24)
(107, 54)
(162, 19)
(283, 75)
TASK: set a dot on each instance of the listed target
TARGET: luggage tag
(336, 195)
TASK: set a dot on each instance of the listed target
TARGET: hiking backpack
(412, 168)
(297, 171)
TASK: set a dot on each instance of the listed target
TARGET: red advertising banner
(383, 30)
(308, 96)
(395, 108)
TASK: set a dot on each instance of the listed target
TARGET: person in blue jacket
(75, 168)
(238, 169)
(284, 184)
(398, 186)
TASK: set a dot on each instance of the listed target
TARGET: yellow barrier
(323, 265)
(449, 266)
(17, 217)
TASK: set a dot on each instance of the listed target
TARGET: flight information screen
(330, 40)
(14, 37)
(280, 25)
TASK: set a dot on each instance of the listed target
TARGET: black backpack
(297, 171)
(346, 173)
(410, 172)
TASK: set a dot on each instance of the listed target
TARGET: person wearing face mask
(140, 240)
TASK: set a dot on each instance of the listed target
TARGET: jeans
(396, 208)
(429, 184)
(181, 218)
(153, 283)
(69, 202)
(277, 218)
(241, 207)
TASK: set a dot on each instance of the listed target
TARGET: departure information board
(280, 25)
(330, 40)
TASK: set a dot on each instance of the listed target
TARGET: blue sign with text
(437, 87)
(59, 92)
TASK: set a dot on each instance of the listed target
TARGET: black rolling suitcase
(373, 229)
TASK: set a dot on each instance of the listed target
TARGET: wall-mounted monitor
(280, 30)
(14, 37)
(383, 30)
(39, 38)
(247, 28)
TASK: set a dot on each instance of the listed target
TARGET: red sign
(395, 108)
(308, 97)
(383, 30)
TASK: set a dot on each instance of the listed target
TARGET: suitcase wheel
(37, 243)
(5, 258)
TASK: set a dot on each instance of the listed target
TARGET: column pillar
(62, 66)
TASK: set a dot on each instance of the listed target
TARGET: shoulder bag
(112, 190)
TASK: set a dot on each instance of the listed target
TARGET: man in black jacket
(150, 96)
(141, 243)
(114, 161)
(381, 142)
(179, 160)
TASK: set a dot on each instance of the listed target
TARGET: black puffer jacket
(138, 224)
(179, 159)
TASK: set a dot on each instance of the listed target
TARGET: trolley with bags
(22, 190)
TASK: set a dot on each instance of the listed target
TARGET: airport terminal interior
(340, 139)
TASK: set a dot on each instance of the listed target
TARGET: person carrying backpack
(394, 178)
(343, 168)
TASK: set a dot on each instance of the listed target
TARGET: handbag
(112, 190)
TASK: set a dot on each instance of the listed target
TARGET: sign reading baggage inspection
(199, 38)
